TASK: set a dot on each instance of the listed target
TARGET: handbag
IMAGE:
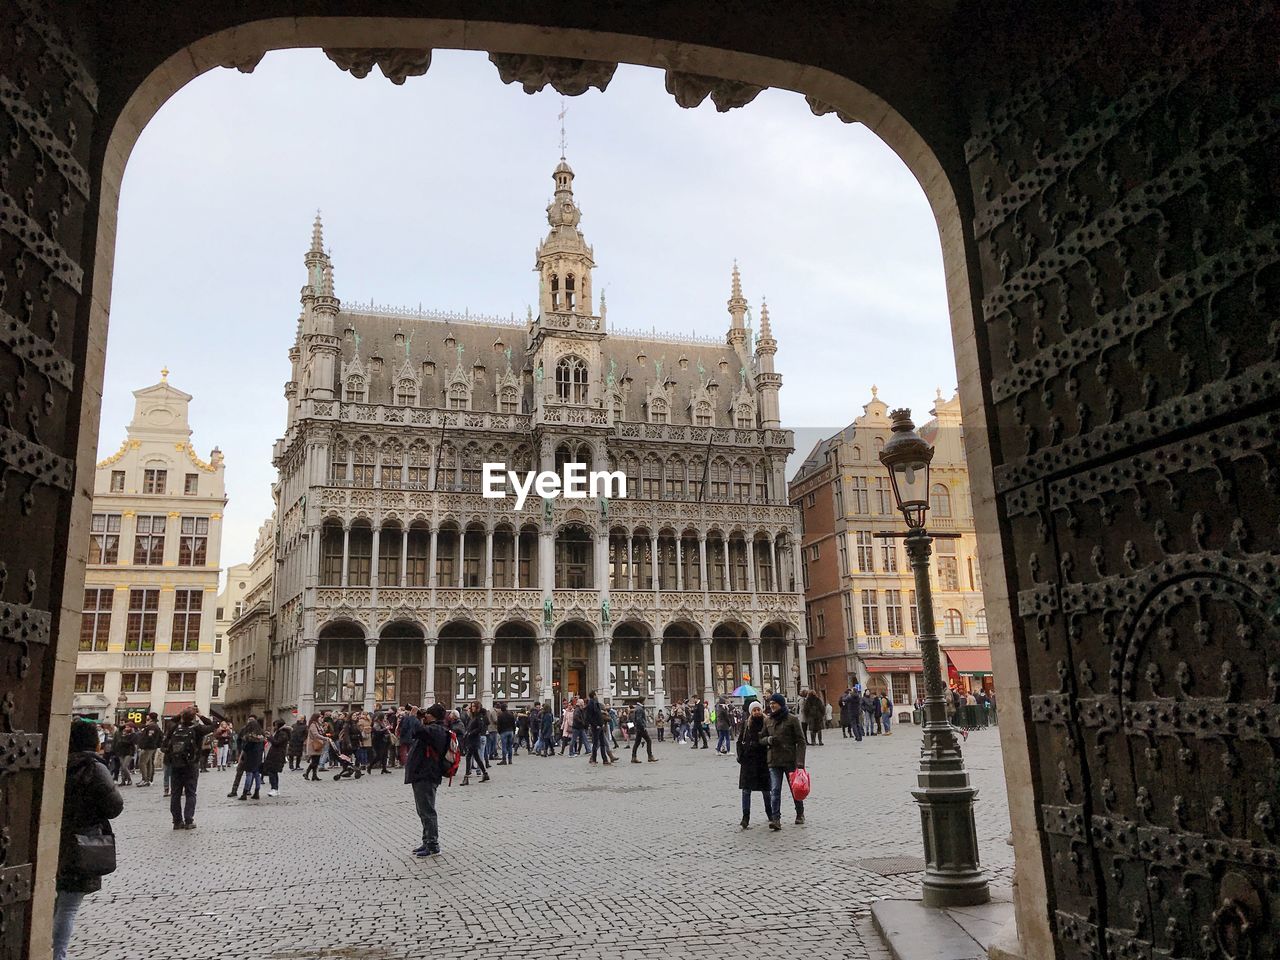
(799, 780)
(94, 854)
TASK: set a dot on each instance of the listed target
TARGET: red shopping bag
(799, 780)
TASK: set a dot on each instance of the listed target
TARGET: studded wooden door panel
(1126, 217)
(47, 105)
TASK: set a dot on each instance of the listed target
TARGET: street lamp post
(952, 875)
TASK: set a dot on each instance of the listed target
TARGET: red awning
(893, 664)
(975, 662)
(175, 707)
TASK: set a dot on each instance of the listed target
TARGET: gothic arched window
(459, 397)
(702, 414)
(940, 500)
(657, 410)
(745, 420)
(407, 393)
(355, 390)
(508, 401)
(719, 479)
(571, 380)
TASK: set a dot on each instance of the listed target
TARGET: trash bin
(917, 717)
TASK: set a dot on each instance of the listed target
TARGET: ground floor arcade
(519, 664)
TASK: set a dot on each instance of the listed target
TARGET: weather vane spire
(563, 110)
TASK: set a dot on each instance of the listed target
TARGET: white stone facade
(396, 580)
(147, 627)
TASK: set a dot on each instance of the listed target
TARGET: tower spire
(563, 142)
(317, 235)
(766, 332)
(737, 335)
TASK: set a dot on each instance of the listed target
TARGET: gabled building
(860, 598)
(147, 624)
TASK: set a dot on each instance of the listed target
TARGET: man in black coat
(424, 769)
(596, 723)
(699, 725)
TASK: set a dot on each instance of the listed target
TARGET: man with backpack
(182, 751)
(433, 755)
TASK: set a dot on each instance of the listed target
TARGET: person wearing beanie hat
(753, 769)
(785, 741)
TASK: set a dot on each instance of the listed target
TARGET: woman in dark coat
(277, 752)
(475, 741)
(753, 758)
(91, 800)
(252, 740)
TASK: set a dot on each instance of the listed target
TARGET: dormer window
(702, 414)
(745, 420)
(459, 397)
(508, 401)
(657, 411)
(355, 390)
(571, 380)
(407, 393)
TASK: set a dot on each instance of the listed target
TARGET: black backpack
(184, 746)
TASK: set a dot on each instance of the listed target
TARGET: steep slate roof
(425, 338)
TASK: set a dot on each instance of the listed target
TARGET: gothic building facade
(396, 579)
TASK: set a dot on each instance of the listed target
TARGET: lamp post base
(952, 876)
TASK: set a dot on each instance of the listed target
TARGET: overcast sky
(433, 193)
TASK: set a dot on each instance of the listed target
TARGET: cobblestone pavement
(552, 857)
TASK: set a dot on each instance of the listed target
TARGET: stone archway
(1110, 248)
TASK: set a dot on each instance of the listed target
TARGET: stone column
(488, 559)
(370, 664)
(306, 678)
(750, 546)
(462, 556)
(702, 561)
(486, 673)
(515, 560)
(373, 566)
(679, 565)
(431, 562)
(346, 553)
(707, 684)
(430, 693)
(756, 672)
(600, 573)
(404, 557)
(659, 693)
(631, 561)
(803, 653)
(775, 583)
(653, 561)
(604, 664)
(545, 654)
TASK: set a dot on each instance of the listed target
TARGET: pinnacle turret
(317, 237)
(737, 302)
(766, 332)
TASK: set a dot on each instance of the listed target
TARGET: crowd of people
(430, 744)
